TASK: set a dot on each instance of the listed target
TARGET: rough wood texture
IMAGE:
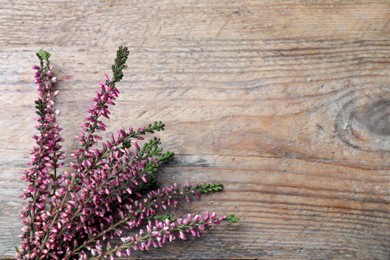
(286, 102)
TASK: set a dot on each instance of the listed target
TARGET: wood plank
(285, 102)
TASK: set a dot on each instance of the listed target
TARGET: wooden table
(285, 102)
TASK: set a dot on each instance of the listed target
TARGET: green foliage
(166, 157)
(119, 65)
(44, 56)
(156, 126)
(232, 218)
(151, 167)
(163, 217)
(210, 187)
(151, 128)
(40, 106)
(152, 148)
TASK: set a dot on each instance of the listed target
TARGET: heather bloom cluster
(111, 192)
(42, 176)
(158, 233)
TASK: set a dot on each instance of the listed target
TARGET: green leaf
(232, 218)
(163, 217)
(210, 187)
(120, 64)
(44, 56)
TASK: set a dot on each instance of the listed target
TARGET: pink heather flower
(46, 158)
(158, 233)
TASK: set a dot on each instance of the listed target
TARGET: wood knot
(375, 117)
(364, 123)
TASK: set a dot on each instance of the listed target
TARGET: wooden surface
(285, 102)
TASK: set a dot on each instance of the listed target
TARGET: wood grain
(285, 102)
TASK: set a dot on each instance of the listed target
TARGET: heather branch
(47, 154)
(105, 97)
(159, 233)
(87, 138)
(160, 199)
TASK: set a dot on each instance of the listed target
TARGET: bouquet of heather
(111, 192)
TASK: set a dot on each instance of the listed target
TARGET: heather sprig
(142, 208)
(47, 155)
(112, 189)
(157, 233)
